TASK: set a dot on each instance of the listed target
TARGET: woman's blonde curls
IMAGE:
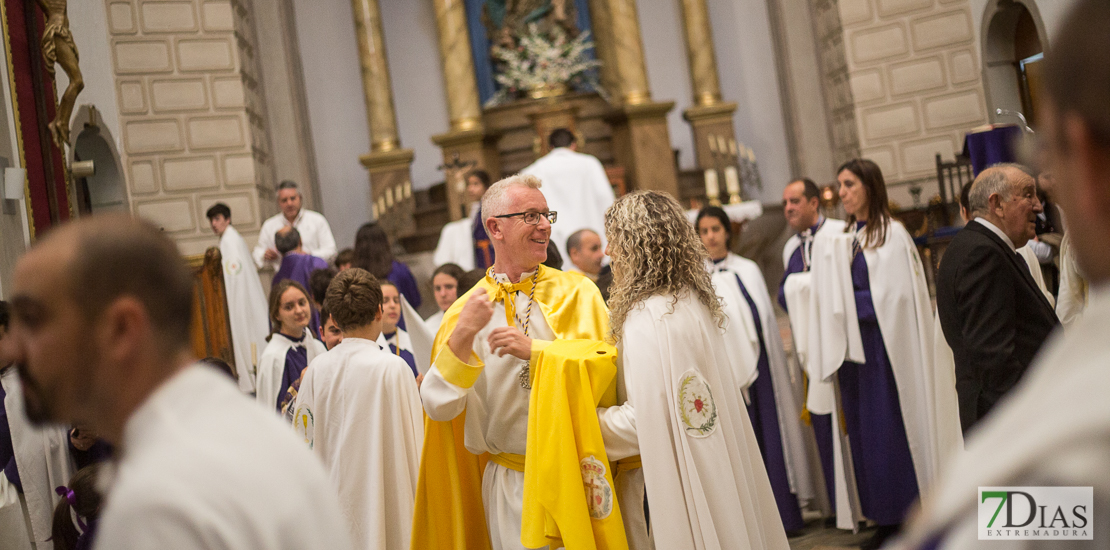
(654, 250)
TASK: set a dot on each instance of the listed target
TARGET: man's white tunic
(202, 467)
(316, 237)
(575, 186)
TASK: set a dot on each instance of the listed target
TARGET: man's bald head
(109, 256)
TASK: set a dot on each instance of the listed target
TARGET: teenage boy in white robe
(706, 483)
(1053, 430)
(359, 411)
(246, 302)
(100, 333)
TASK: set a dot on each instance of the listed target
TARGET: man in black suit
(993, 315)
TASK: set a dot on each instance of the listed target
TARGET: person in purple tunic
(802, 210)
(871, 397)
(374, 253)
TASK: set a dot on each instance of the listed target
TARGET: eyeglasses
(533, 218)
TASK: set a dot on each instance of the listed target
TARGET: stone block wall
(915, 85)
(191, 132)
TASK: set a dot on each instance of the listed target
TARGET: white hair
(495, 202)
(995, 180)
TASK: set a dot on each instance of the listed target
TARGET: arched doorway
(1013, 49)
(105, 190)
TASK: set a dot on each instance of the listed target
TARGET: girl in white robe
(706, 483)
(445, 288)
(291, 348)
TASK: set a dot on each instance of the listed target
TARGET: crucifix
(58, 48)
(454, 173)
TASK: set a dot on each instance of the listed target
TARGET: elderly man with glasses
(477, 390)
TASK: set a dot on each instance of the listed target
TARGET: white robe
(905, 317)
(43, 460)
(202, 467)
(1073, 286)
(706, 484)
(820, 398)
(575, 186)
(1052, 430)
(456, 242)
(316, 237)
(359, 411)
(497, 420)
(247, 309)
(1034, 264)
(271, 365)
(783, 377)
(432, 324)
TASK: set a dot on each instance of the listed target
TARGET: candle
(712, 143)
(722, 144)
(732, 146)
(732, 181)
(711, 186)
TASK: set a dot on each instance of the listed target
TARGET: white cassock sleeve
(618, 430)
(325, 242)
(442, 400)
(265, 242)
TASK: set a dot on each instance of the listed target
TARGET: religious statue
(58, 47)
(506, 20)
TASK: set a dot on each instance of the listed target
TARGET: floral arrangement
(542, 60)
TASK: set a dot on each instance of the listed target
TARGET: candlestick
(712, 188)
(732, 184)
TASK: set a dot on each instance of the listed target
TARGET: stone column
(709, 116)
(388, 164)
(467, 137)
(628, 49)
(641, 139)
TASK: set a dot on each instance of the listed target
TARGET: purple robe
(483, 248)
(296, 359)
(763, 411)
(884, 468)
(403, 354)
(402, 278)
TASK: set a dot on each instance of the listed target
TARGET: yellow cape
(449, 513)
(568, 483)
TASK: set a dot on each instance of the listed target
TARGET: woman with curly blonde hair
(705, 481)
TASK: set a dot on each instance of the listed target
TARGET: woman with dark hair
(773, 407)
(874, 334)
(374, 254)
